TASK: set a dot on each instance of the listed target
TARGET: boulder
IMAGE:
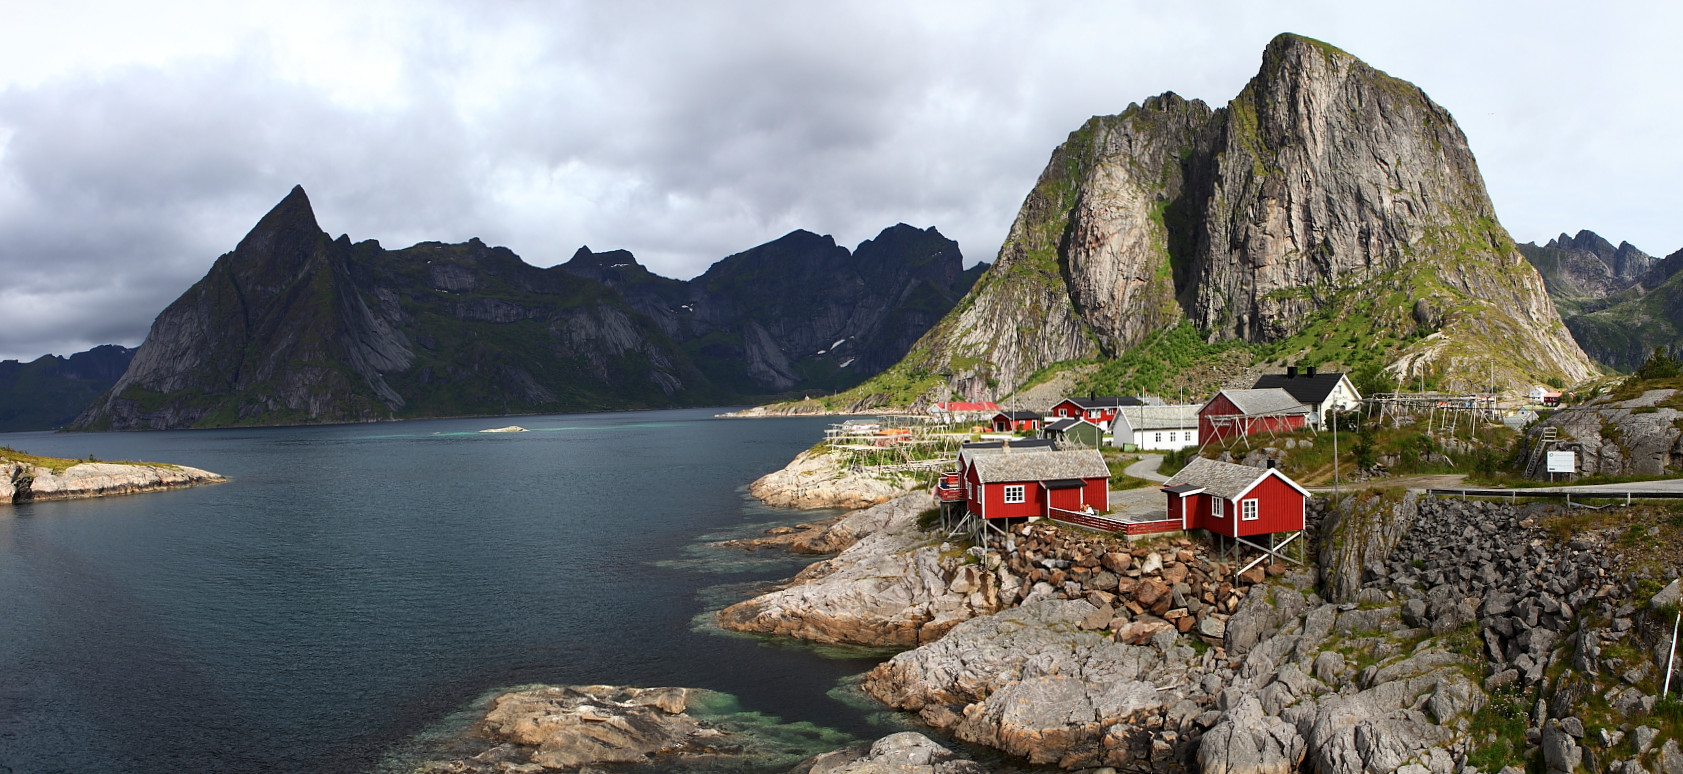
(907, 752)
(1245, 741)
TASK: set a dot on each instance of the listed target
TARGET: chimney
(1271, 463)
(1311, 372)
(1291, 372)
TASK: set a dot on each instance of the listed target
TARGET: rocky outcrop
(1641, 436)
(595, 727)
(1326, 193)
(21, 481)
(296, 327)
(1358, 535)
(890, 589)
(907, 752)
(817, 479)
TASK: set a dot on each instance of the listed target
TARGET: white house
(1156, 428)
(1320, 392)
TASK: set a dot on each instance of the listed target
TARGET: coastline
(22, 481)
(1067, 649)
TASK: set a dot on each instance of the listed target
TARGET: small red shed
(1014, 484)
(1233, 413)
(1010, 421)
(1235, 500)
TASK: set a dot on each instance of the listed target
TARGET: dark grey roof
(1019, 415)
(1017, 443)
(1105, 401)
(1183, 488)
(1039, 466)
(969, 451)
(1259, 402)
(1309, 389)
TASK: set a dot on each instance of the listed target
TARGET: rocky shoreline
(25, 482)
(627, 729)
(1427, 635)
(815, 479)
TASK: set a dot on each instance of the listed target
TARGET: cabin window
(1247, 510)
(1156, 437)
(1218, 507)
(1016, 494)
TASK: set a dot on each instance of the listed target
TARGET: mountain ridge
(293, 326)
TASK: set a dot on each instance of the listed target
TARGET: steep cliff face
(296, 327)
(1329, 212)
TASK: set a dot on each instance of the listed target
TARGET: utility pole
(1335, 455)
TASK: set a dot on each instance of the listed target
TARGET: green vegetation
(1163, 361)
(1498, 733)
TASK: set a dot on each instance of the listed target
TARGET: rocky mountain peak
(1326, 202)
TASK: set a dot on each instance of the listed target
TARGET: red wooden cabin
(1233, 413)
(1037, 482)
(1012, 421)
(1235, 500)
(1098, 409)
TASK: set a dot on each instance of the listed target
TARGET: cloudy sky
(139, 141)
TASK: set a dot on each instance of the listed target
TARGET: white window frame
(1156, 437)
(1020, 491)
(1248, 510)
(1218, 508)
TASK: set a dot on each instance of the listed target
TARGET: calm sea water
(354, 587)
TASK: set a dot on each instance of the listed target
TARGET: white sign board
(1563, 462)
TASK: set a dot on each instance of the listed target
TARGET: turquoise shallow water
(355, 586)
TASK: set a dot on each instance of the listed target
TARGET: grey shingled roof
(1039, 466)
(1271, 401)
(1161, 417)
(1223, 479)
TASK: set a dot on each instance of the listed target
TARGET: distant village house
(1321, 392)
(1015, 421)
(1098, 409)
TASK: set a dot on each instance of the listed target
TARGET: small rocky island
(27, 477)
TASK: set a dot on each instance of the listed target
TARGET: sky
(139, 141)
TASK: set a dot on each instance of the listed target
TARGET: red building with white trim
(1016, 484)
(1098, 409)
(1235, 500)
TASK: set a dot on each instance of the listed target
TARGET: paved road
(1146, 468)
(1670, 486)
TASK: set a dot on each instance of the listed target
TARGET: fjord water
(352, 586)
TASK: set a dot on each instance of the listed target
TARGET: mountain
(1586, 272)
(294, 326)
(800, 311)
(1623, 329)
(49, 392)
(1329, 213)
